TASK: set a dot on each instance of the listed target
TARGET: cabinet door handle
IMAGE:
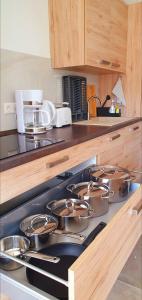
(115, 65)
(135, 128)
(117, 136)
(57, 162)
(105, 62)
(136, 210)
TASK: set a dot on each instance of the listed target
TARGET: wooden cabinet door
(118, 35)
(97, 32)
(106, 34)
(66, 32)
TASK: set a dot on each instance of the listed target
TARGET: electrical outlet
(9, 108)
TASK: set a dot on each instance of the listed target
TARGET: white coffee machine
(32, 117)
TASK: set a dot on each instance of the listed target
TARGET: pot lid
(85, 190)
(38, 224)
(109, 172)
(69, 207)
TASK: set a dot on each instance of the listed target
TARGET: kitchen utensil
(73, 214)
(94, 193)
(68, 253)
(39, 227)
(107, 98)
(18, 246)
(91, 91)
(115, 178)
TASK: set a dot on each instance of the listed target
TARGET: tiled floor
(129, 284)
(124, 291)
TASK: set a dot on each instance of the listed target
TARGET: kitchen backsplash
(24, 71)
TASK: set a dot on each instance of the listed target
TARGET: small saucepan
(18, 246)
(39, 227)
(73, 214)
(95, 194)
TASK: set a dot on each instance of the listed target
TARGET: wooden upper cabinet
(66, 32)
(88, 34)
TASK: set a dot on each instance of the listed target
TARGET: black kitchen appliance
(74, 92)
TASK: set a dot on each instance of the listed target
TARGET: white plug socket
(9, 108)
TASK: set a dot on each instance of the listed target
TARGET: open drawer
(94, 273)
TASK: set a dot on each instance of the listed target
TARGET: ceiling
(132, 1)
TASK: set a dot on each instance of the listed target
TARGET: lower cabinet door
(95, 272)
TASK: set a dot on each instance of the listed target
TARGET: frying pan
(68, 253)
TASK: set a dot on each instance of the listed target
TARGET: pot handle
(90, 215)
(49, 205)
(132, 177)
(70, 187)
(39, 217)
(110, 194)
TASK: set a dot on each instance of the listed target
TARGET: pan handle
(49, 205)
(70, 187)
(132, 177)
(110, 195)
(91, 214)
(34, 254)
(39, 217)
(93, 234)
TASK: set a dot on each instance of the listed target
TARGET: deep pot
(73, 214)
(95, 194)
(115, 178)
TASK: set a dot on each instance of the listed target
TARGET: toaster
(63, 117)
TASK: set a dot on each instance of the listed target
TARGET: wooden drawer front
(17, 180)
(94, 273)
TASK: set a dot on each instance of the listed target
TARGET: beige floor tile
(124, 291)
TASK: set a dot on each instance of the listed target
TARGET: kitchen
(39, 47)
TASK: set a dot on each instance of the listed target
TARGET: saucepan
(18, 246)
(117, 179)
(95, 194)
(39, 227)
(73, 214)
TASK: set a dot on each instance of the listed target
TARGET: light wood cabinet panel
(88, 34)
(66, 32)
(124, 148)
(106, 34)
(94, 273)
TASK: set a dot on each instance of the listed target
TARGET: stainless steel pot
(39, 227)
(73, 214)
(18, 246)
(95, 194)
(116, 178)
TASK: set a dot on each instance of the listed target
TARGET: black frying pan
(68, 253)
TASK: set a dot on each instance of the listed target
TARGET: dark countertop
(71, 135)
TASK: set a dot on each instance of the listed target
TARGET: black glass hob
(14, 144)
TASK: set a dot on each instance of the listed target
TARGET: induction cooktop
(14, 144)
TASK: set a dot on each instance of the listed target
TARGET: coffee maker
(32, 118)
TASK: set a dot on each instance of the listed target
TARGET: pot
(18, 246)
(73, 214)
(38, 228)
(95, 194)
(115, 178)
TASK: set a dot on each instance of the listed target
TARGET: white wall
(24, 26)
